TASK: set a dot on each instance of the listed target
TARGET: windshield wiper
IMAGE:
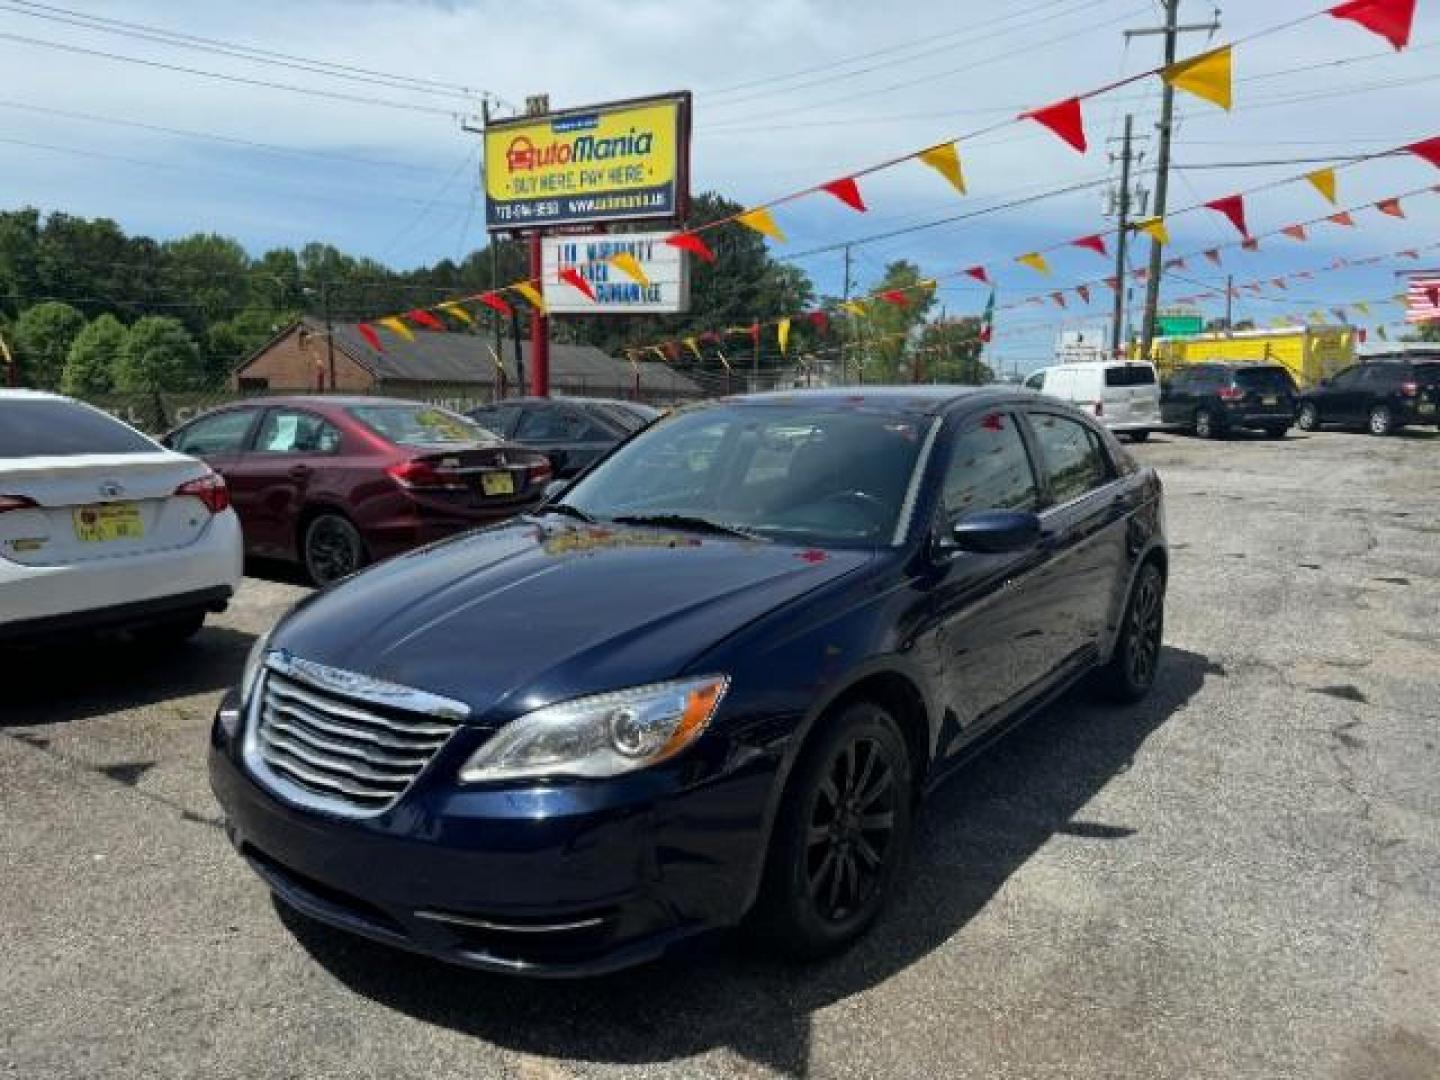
(685, 521)
(568, 511)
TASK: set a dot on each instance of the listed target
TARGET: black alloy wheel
(1382, 420)
(1206, 426)
(1131, 671)
(1309, 418)
(333, 549)
(841, 835)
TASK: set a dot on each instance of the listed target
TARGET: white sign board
(666, 268)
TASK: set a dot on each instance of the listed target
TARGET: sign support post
(539, 328)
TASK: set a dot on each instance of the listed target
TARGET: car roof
(923, 400)
(18, 394)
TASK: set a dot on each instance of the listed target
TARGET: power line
(250, 53)
(332, 95)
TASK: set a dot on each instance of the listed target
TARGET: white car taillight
(16, 502)
(210, 489)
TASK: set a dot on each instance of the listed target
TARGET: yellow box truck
(1311, 353)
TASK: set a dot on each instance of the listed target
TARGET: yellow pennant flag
(453, 307)
(398, 326)
(1155, 229)
(854, 307)
(532, 294)
(658, 351)
(760, 220)
(1207, 76)
(1324, 181)
(945, 160)
(630, 266)
(693, 346)
(782, 334)
(1035, 261)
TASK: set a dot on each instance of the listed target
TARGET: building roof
(460, 358)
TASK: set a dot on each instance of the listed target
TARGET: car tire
(1309, 417)
(1139, 436)
(1207, 425)
(332, 549)
(1131, 671)
(828, 873)
(1381, 421)
(1275, 431)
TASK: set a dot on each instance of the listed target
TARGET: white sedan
(103, 528)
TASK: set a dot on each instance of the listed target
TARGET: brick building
(458, 366)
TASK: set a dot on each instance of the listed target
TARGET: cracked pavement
(1239, 877)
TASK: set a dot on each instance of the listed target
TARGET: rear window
(1130, 375)
(1269, 378)
(1427, 373)
(44, 427)
(420, 425)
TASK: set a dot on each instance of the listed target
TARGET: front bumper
(554, 880)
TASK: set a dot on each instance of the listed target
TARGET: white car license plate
(1271, 399)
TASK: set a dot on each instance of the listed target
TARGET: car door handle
(299, 472)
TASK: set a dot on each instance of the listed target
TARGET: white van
(1123, 397)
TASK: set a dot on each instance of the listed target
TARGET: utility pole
(1122, 237)
(1229, 302)
(1172, 31)
(9, 362)
(847, 321)
(329, 331)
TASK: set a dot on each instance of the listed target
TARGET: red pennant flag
(495, 303)
(1113, 283)
(1306, 274)
(1409, 253)
(754, 332)
(1279, 283)
(1141, 274)
(1391, 207)
(692, 243)
(1065, 119)
(1429, 149)
(1391, 19)
(421, 317)
(1253, 287)
(1250, 244)
(1094, 243)
(820, 321)
(896, 297)
(1233, 207)
(371, 337)
(979, 274)
(1084, 291)
(1059, 299)
(572, 277)
(847, 191)
(1342, 218)
(1213, 255)
(1296, 231)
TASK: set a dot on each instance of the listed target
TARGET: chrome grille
(352, 754)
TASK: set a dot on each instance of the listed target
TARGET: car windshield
(51, 427)
(420, 425)
(1265, 378)
(812, 474)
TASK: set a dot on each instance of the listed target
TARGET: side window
(1349, 378)
(989, 470)
(222, 434)
(586, 428)
(1074, 460)
(1036, 381)
(289, 431)
(543, 425)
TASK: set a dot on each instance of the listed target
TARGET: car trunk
(1265, 391)
(478, 476)
(88, 507)
(1131, 395)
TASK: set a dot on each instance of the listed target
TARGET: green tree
(886, 333)
(159, 354)
(43, 336)
(1429, 331)
(949, 352)
(94, 357)
(229, 343)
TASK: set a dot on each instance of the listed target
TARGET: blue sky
(788, 93)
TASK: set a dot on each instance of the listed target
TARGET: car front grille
(339, 753)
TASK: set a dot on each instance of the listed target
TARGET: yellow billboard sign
(619, 162)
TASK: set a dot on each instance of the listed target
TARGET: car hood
(511, 618)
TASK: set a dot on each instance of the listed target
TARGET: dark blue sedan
(710, 681)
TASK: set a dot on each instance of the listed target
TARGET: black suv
(1381, 396)
(1212, 399)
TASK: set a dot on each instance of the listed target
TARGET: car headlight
(253, 663)
(603, 735)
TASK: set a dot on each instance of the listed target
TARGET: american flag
(1422, 298)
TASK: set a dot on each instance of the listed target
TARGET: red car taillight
(1231, 393)
(1410, 389)
(423, 476)
(540, 473)
(16, 502)
(210, 489)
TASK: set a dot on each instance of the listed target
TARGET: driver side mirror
(994, 532)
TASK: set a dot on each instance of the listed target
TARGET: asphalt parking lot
(1239, 877)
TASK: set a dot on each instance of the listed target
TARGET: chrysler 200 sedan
(708, 683)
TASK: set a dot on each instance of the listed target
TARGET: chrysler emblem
(112, 489)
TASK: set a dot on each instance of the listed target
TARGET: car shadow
(94, 676)
(720, 990)
(277, 570)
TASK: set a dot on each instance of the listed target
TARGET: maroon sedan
(336, 482)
